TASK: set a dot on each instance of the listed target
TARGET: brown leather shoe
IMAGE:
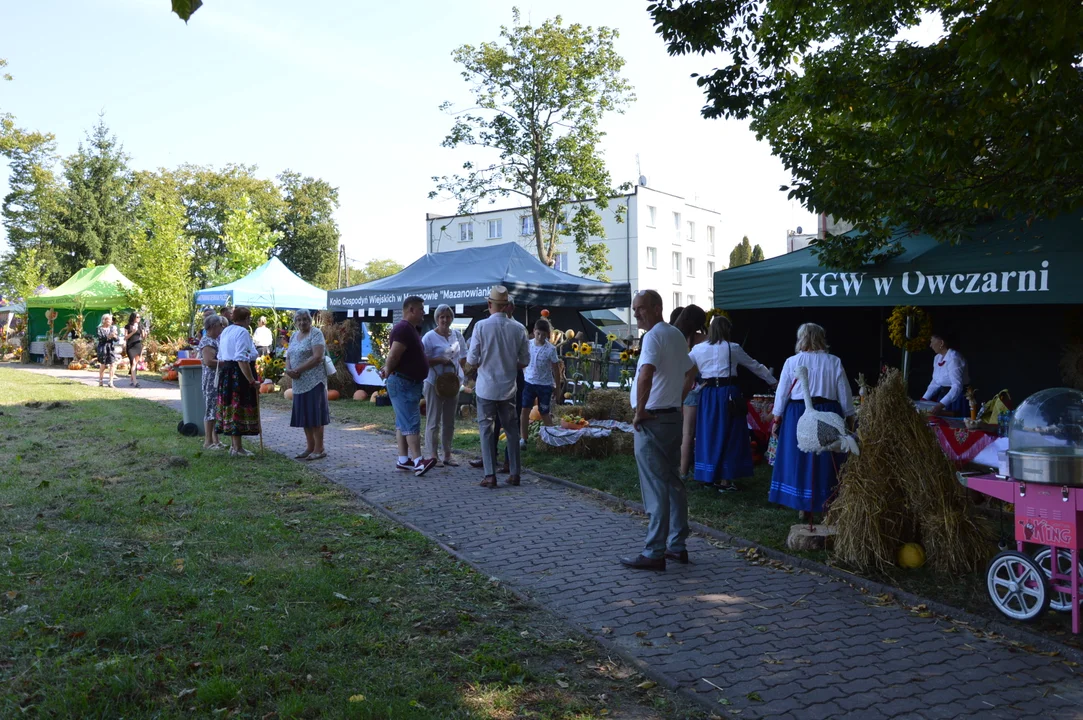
(477, 464)
(513, 481)
(640, 562)
(489, 481)
(681, 557)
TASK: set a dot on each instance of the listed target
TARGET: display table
(961, 445)
(559, 437)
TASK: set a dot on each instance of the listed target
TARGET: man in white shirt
(262, 337)
(498, 349)
(657, 396)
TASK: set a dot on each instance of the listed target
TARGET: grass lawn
(140, 577)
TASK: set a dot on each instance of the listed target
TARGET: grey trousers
(509, 419)
(658, 456)
(439, 418)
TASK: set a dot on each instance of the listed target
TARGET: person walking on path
(445, 350)
(539, 377)
(498, 349)
(134, 334)
(304, 363)
(405, 371)
(213, 325)
(800, 480)
(262, 337)
(107, 349)
(238, 402)
(722, 450)
(657, 396)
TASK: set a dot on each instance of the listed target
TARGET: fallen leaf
(340, 596)
(185, 692)
(889, 641)
(21, 609)
(641, 633)
(178, 565)
(761, 628)
(563, 684)
(754, 697)
(248, 580)
(647, 685)
(11, 594)
(357, 698)
(374, 601)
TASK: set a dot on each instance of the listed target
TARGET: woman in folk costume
(238, 403)
(950, 378)
(723, 451)
(802, 480)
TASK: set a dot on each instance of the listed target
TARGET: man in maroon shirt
(405, 372)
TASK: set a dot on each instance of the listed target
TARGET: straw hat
(498, 295)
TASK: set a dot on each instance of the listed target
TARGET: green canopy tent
(94, 290)
(1007, 294)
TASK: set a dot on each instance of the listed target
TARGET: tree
(309, 235)
(97, 211)
(209, 197)
(21, 273)
(246, 244)
(888, 133)
(161, 252)
(539, 96)
(373, 270)
(741, 253)
(185, 8)
(31, 209)
(757, 254)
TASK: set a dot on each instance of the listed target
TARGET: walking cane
(259, 421)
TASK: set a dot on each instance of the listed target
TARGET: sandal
(303, 455)
(317, 456)
(450, 463)
(488, 482)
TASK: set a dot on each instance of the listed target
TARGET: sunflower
(585, 349)
(575, 347)
(611, 337)
(624, 356)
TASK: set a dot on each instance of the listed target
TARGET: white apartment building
(665, 243)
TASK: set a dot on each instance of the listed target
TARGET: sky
(350, 92)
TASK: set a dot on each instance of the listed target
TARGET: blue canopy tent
(271, 285)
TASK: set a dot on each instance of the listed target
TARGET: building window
(560, 261)
(496, 229)
(526, 225)
(691, 267)
(710, 300)
(652, 215)
(676, 300)
(710, 240)
(691, 231)
(652, 258)
(691, 299)
(710, 269)
(676, 227)
(466, 231)
(677, 268)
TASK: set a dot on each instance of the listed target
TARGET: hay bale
(902, 488)
(608, 405)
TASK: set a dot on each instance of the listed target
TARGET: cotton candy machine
(1045, 484)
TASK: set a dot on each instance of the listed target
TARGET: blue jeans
(543, 393)
(405, 397)
(658, 457)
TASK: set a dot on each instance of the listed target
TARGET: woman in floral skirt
(238, 401)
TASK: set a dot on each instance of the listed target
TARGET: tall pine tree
(98, 207)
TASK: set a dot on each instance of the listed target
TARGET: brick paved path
(755, 639)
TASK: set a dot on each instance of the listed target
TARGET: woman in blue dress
(692, 322)
(723, 448)
(804, 481)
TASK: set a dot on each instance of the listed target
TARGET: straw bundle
(339, 336)
(608, 405)
(901, 489)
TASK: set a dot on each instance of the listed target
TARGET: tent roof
(1002, 263)
(94, 287)
(272, 285)
(464, 277)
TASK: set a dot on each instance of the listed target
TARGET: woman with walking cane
(238, 385)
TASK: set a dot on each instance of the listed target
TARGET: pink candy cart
(1043, 478)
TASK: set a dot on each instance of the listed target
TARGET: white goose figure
(819, 431)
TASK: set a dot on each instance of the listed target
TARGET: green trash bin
(193, 405)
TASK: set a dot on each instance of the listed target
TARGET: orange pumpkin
(332, 395)
(361, 395)
(534, 414)
(266, 389)
(288, 394)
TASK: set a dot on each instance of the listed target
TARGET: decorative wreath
(896, 325)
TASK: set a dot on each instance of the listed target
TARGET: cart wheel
(1059, 601)
(189, 430)
(1017, 586)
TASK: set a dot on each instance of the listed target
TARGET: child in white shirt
(539, 376)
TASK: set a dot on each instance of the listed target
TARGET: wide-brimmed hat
(498, 295)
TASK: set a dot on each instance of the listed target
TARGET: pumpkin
(534, 414)
(361, 395)
(332, 395)
(911, 555)
(73, 366)
(170, 375)
(266, 388)
(288, 394)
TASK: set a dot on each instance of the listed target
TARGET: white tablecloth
(558, 436)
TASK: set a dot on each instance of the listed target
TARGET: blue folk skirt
(960, 406)
(801, 480)
(310, 408)
(723, 448)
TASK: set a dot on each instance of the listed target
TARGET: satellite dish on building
(643, 180)
(799, 230)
